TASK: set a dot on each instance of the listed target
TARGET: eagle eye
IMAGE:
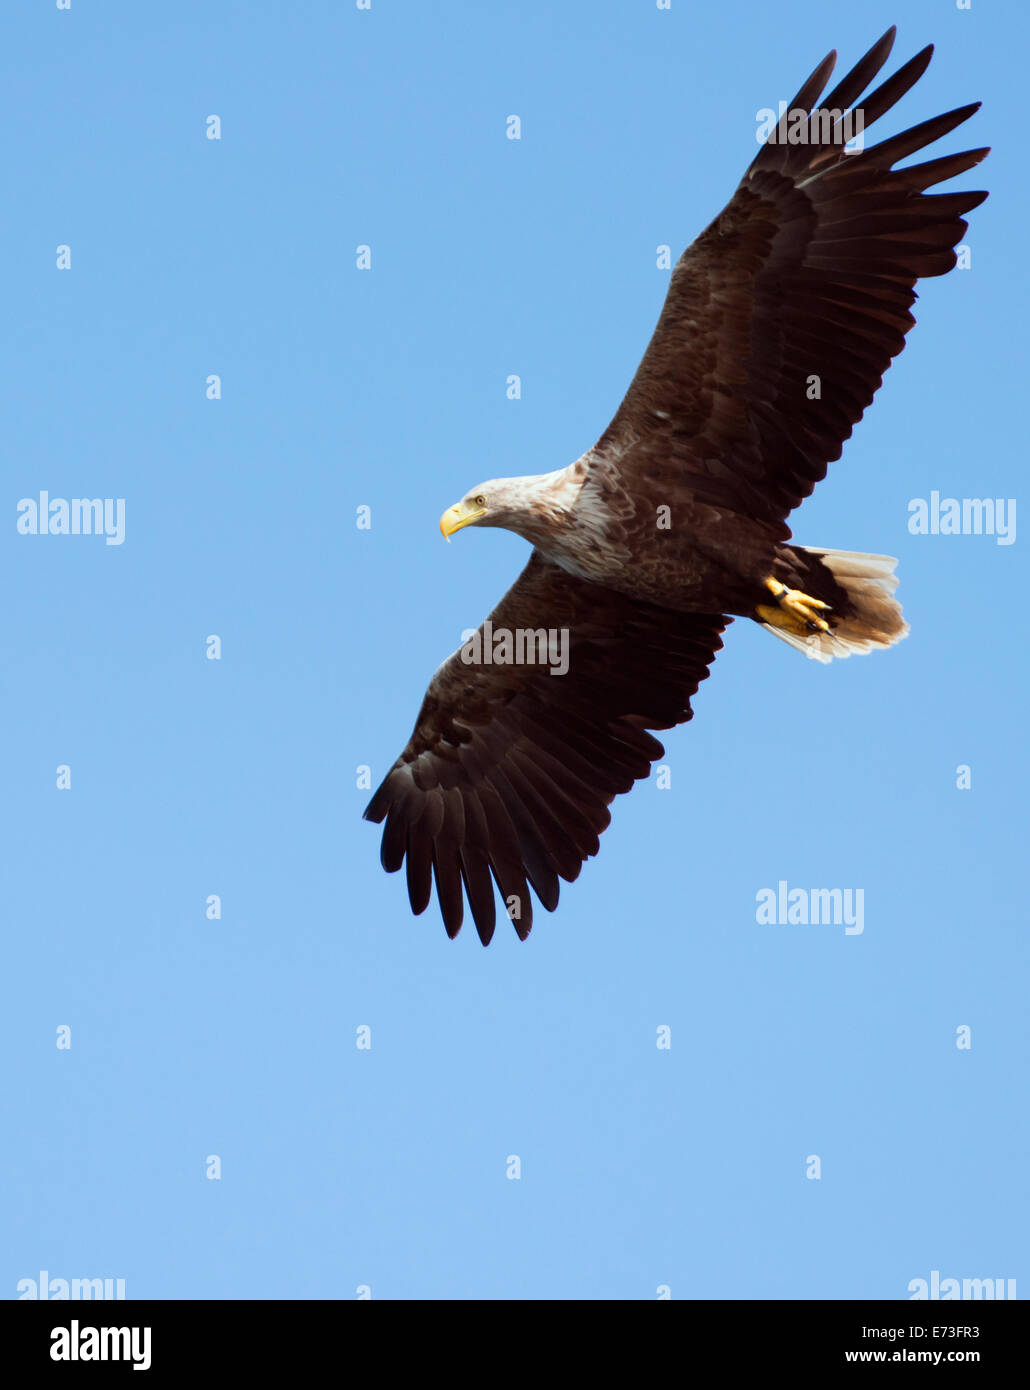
(479, 500)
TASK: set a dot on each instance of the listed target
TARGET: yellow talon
(793, 604)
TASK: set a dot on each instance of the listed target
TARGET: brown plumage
(676, 518)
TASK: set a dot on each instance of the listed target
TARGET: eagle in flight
(676, 520)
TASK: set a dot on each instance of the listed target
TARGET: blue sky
(641, 1168)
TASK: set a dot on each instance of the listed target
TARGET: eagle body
(655, 542)
(779, 323)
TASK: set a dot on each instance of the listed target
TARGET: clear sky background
(341, 1168)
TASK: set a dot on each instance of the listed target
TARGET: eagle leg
(794, 610)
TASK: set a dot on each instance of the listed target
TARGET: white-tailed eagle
(676, 519)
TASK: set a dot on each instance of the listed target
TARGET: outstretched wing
(511, 769)
(809, 272)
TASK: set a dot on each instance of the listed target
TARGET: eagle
(779, 323)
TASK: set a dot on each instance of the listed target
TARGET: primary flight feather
(675, 520)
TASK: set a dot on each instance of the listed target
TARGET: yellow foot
(795, 610)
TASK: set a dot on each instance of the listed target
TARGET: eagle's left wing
(784, 314)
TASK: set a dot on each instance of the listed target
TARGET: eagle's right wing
(510, 769)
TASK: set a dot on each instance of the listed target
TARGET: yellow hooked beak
(461, 514)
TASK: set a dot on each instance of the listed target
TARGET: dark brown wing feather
(809, 271)
(510, 770)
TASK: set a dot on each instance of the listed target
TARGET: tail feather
(875, 619)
